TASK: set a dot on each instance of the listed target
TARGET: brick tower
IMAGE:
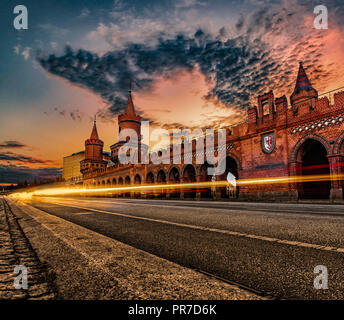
(93, 152)
(128, 120)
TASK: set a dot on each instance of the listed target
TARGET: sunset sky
(195, 64)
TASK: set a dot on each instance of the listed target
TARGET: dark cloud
(237, 69)
(10, 156)
(75, 114)
(220, 61)
(240, 23)
(11, 144)
(13, 167)
(19, 174)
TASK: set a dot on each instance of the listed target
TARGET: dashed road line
(228, 232)
(235, 208)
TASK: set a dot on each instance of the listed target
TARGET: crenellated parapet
(306, 106)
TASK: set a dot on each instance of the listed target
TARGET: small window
(266, 107)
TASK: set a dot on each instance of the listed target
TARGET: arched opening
(150, 180)
(341, 148)
(113, 185)
(231, 191)
(161, 179)
(341, 164)
(161, 176)
(120, 183)
(109, 182)
(174, 177)
(150, 177)
(127, 183)
(313, 158)
(137, 180)
(189, 176)
(206, 191)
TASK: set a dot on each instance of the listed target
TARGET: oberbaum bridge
(279, 153)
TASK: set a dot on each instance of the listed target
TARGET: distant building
(71, 167)
(107, 156)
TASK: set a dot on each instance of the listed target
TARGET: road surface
(269, 248)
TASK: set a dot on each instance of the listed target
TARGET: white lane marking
(81, 213)
(143, 204)
(234, 204)
(228, 232)
(273, 211)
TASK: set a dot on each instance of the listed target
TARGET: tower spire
(130, 109)
(129, 119)
(302, 81)
(303, 88)
(94, 134)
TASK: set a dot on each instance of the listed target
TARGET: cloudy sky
(194, 64)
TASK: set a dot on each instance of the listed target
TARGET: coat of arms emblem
(268, 142)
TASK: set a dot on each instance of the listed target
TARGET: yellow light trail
(189, 185)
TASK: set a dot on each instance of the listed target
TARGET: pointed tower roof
(94, 134)
(130, 109)
(302, 81)
(303, 88)
(129, 119)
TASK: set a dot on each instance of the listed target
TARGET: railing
(74, 181)
(111, 169)
(329, 94)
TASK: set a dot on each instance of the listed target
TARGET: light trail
(190, 185)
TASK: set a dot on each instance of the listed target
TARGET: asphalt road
(272, 248)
